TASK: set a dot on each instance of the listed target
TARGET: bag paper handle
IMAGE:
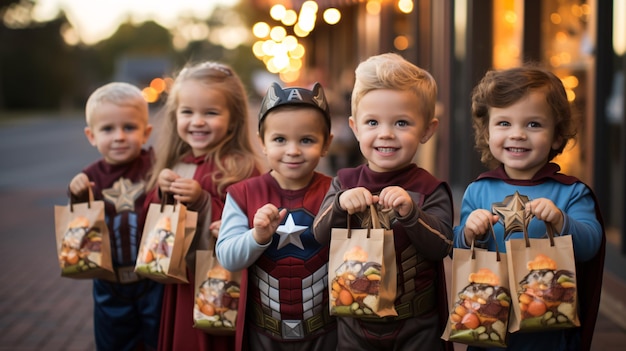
(89, 201)
(549, 231)
(375, 222)
(495, 241)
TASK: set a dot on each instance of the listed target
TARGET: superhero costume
(285, 281)
(177, 332)
(582, 220)
(126, 312)
(422, 240)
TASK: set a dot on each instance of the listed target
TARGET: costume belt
(127, 275)
(424, 302)
(290, 329)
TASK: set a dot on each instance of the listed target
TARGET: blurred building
(581, 41)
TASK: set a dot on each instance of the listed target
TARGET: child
(393, 106)
(205, 128)
(266, 228)
(522, 120)
(126, 312)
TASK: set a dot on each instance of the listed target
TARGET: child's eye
(130, 127)
(534, 124)
(371, 122)
(307, 141)
(402, 123)
(503, 124)
(106, 129)
(279, 140)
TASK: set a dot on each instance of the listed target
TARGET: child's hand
(79, 184)
(397, 198)
(478, 224)
(165, 180)
(545, 210)
(214, 228)
(266, 220)
(356, 200)
(186, 190)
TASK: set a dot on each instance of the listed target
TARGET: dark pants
(416, 333)
(127, 316)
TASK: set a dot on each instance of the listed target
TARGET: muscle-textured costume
(422, 239)
(130, 308)
(582, 220)
(286, 285)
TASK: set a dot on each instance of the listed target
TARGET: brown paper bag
(542, 273)
(481, 300)
(362, 271)
(83, 243)
(217, 294)
(166, 238)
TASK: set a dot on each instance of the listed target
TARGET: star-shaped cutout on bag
(290, 233)
(123, 194)
(511, 212)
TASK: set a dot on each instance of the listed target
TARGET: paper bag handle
(164, 197)
(374, 222)
(495, 241)
(549, 230)
(89, 201)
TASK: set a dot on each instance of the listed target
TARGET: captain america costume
(286, 284)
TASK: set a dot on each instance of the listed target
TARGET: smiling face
(522, 135)
(294, 140)
(202, 116)
(118, 132)
(389, 127)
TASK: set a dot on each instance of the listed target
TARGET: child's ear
(430, 130)
(147, 132)
(262, 142)
(90, 136)
(352, 124)
(557, 143)
(327, 144)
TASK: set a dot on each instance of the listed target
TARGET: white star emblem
(290, 233)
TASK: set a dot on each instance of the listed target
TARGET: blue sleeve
(581, 222)
(236, 248)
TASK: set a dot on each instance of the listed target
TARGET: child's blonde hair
(506, 87)
(118, 93)
(392, 71)
(234, 156)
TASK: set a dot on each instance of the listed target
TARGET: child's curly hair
(504, 88)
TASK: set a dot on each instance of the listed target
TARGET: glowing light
(290, 18)
(299, 31)
(278, 11)
(373, 7)
(158, 84)
(257, 49)
(510, 17)
(619, 27)
(555, 18)
(332, 16)
(150, 95)
(406, 6)
(570, 82)
(571, 95)
(401, 42)
(278, 33)
(289, 77)
(261, 30)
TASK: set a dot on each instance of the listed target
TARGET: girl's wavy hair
(392, 71)
(503, 88)
(234, 157)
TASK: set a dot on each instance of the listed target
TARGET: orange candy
(345, 298)
(470, 321)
